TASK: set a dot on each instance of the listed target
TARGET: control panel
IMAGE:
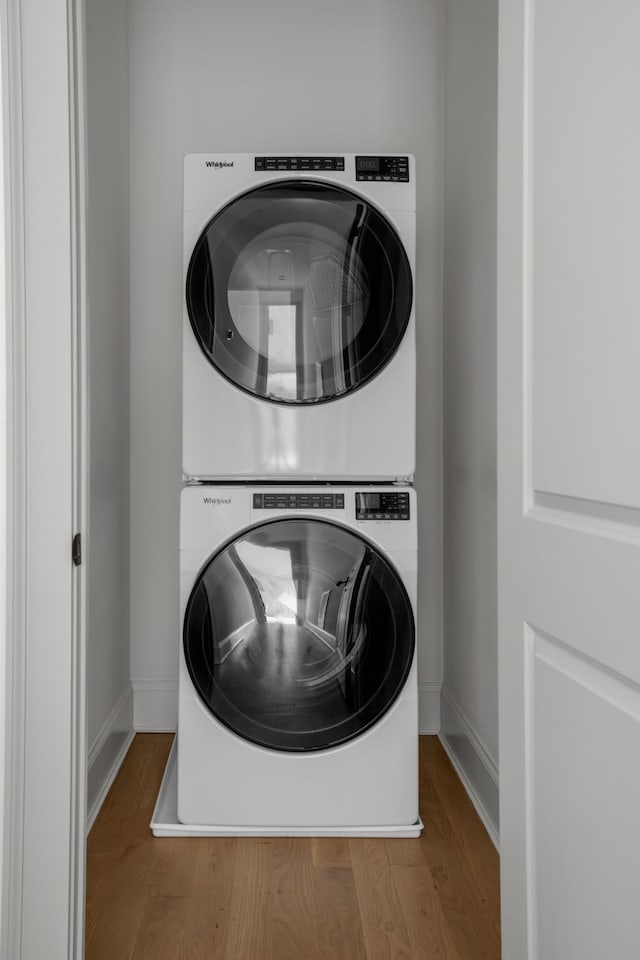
(392, 169)
(299, 163)
(382, 506)
(298, 501)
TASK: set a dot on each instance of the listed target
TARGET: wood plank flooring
(280, 898)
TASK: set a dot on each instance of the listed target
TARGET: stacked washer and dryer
(298, 532)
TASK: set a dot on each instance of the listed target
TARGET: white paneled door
(43, 829)
(569, 478)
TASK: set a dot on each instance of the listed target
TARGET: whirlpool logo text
(218, 163)
(216, 501)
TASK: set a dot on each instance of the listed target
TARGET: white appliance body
(225, 779)
(301, 299)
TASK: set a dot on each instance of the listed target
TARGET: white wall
(470, 695)
(109, 701)
(289, 75)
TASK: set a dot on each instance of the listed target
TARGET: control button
(300, 501)
(259, 163)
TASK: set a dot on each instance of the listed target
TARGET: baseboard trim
(155, 706)
(473, 764)
(429, 695)
(107, 752)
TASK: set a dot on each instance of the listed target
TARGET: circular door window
(299, 292)
(298, 635)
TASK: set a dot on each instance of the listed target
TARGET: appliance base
(165, 823)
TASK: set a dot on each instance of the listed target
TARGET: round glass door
(298, 635)
(299, 292)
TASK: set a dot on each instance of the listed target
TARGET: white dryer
(299, 324)
(298, 684)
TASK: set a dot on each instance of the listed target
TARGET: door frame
(45, 763)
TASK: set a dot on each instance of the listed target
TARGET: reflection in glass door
(299, 292)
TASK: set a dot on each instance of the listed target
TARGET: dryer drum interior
(299, 292)
(298, 635)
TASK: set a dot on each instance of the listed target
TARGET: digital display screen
(392, 505)
(369, 501)
(369, 163)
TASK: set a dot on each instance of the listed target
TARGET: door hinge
(76, 550)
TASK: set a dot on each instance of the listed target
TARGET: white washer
(298, 684)
(299, 321)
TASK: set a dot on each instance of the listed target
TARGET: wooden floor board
(476, 844)
(427, 925)
(231, 898)
(162, 930)
(295, 901)
(338, 924)
(460, 893)
(383, 923)
(331, 852)
(208, 916)
(251, 915)
(405, 853)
